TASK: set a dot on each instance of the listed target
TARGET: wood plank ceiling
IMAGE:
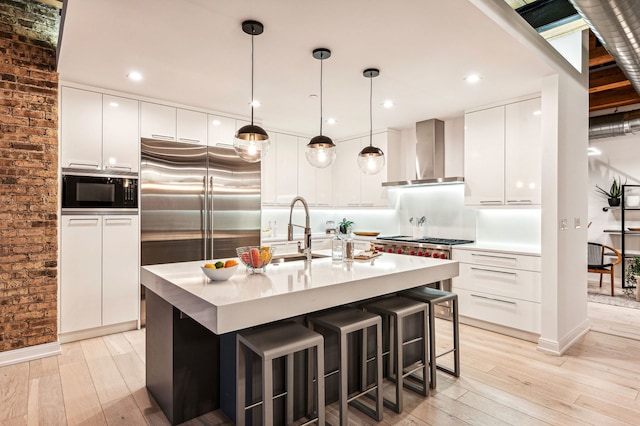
(608, 86)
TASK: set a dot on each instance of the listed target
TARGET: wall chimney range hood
(429, 157)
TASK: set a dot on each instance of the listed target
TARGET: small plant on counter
(614, 193)
(345, 226)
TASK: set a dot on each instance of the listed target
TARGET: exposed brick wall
(28, 174)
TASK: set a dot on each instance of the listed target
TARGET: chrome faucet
(307, 227)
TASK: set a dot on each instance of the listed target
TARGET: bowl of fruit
(220, 270)
(255, 258)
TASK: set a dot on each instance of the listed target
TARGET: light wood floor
(504, 381)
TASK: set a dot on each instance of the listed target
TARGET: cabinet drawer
(513, 283)
(504, 260)
(505, 311)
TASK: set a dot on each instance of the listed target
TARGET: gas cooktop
(427, 240)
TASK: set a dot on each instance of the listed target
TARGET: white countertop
(507, 248)
(287, 289)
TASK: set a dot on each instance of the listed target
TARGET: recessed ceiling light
(113, 104)
(537, 112)
(473, 78)
(255, 103)
(593, 151)
(135, 76)
(216, 122)
(331, 121)
(388, 103)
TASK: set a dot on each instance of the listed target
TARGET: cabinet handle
(494, 299)
(494, 256)
(84, 164)
(353, 204)
(84, 219)
(490, 202)
(519, 201)
(118, 219)
(367, 204)
(115, 166)
(189, 140)
(157, 136)
(493, 270)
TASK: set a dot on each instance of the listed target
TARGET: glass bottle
(336, 246)
(348, 247)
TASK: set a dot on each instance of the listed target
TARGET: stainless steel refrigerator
(197, 202)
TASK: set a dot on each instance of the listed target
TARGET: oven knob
(412, 252)
(443, 256)
(390, 250)
(420, 253)
(435, 255)
(399, 251)
(379, 249)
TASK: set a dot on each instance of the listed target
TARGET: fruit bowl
(219, 274)
(255, 258)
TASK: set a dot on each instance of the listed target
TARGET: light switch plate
(563, 224)
(576, 222)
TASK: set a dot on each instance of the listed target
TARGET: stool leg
(432, 346)
(309, 407)
(399, 361)
(320, 382)
(456, 337)
(289, 390)
(267, 392)
(425, 351)
(363, 360)
(379, 395)
(240, 383)
(343, 393)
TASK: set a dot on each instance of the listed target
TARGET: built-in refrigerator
(196, 202)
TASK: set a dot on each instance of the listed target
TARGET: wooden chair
(596, 262)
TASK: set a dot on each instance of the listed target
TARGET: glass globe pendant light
(371, 158)
(251, 141)
(321, 151)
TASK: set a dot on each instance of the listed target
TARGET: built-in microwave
(92, 193)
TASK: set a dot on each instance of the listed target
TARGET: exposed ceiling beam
(613, 98)
(55, 3)
(607, 78)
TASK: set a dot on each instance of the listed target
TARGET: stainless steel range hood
(429, 157)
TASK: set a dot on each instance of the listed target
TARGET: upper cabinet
(222, 130)
(173, 124)
(98, 132)
(502, 155)
(285, 152)
(314, 184)
(351, 187)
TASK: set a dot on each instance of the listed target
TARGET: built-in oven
(89, 193)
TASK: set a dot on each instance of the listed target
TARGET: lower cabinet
(99, 271)
(500, 288)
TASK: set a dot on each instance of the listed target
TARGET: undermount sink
(291, 257)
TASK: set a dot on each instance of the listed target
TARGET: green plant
(615, 191)
(344, 225)
(633, 269)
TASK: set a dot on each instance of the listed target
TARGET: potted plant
(614, 193)
(345, 226)
(632, 276)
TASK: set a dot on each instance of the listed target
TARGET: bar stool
(344, 321)
(393, 311)
(432, 297)
(271, 342)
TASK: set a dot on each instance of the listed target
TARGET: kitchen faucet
(307, 227)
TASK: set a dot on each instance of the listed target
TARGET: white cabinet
(99, 270)
(98, 132)
(120, 134)
(523, 156)
(500, 288)
(351, 187)
(191, 126)
(280, 170)
(314, 184)
(157, 121)
(81, 128)
(80, 272)
(222, 130)
(502, 155)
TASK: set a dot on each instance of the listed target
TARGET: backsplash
(509, 226)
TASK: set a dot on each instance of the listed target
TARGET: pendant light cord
(321, 61)
(371, 111)
(252, 36)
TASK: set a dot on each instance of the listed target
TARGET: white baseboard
(497, 328)
(98, 331)
(30, 353)
(560, 347)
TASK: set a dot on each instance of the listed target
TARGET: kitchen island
(191, 321)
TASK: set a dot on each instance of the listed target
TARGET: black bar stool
(344, 321)
(393, 311)
(432, 297)
(271, 342)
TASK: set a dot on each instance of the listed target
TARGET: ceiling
(194, 52)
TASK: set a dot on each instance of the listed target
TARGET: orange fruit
(229, 263)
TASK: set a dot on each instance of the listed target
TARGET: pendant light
(251, 142)
(371, 158)
(321, 151)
